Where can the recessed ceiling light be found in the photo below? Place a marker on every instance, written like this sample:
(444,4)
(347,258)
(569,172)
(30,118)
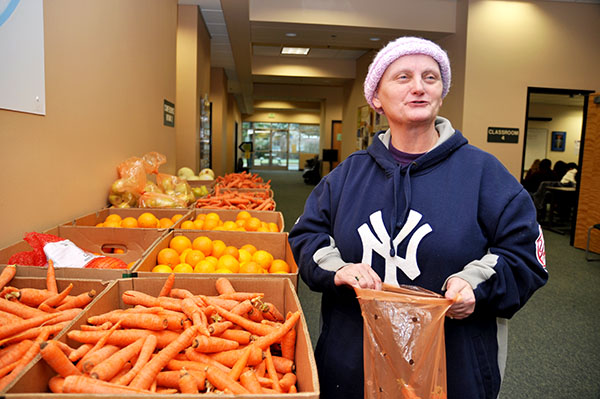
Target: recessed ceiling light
(295,50)
(374,39)
(290,34)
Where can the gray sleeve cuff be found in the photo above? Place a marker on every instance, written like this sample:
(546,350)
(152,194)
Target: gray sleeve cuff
(329,257)
(476,271)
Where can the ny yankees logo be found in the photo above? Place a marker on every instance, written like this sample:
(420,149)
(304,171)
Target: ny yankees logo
(380,243)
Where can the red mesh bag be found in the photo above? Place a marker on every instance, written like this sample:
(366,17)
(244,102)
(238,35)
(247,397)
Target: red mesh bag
(36,257)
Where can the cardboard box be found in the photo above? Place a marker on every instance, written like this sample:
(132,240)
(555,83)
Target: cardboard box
(34,382)
(230,214)
(79,286)
(92,219)
(134,242)
(276,243)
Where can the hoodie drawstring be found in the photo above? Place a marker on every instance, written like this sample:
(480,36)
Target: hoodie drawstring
(407,200)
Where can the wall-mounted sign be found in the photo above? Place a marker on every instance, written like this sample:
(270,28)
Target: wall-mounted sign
(558,141)
(168,113)
(503,135)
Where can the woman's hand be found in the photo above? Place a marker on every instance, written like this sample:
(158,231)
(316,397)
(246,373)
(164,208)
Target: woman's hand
(465,305)
(358,275)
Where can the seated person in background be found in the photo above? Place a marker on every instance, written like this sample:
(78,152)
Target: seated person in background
(569,178)
(560,168)
(545,173)
(535,166)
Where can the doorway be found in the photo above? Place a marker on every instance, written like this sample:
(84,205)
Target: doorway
(554,130)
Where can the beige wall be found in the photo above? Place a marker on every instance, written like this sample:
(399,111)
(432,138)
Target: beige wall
(193,82)
(565,119)
(218,97)
(109,65)
(515,44)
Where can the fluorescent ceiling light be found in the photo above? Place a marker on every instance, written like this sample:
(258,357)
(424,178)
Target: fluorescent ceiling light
(295,50)
(290,34)
(374,39)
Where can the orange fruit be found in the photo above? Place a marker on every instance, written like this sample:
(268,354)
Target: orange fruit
(112,223)
(212,216)
(250,267)
(183,268)
(199,224)
(203,244)
(168,256)
(210,224)
(204,266)
(263,258)
(252,224)
(100,224)
(223,270)
(176,217)
(119,251)
(240,223)
(229,225)
(113,217)
(165,223)
(273,227)
(179,243)
(147,220)
(212,260)
(162,269)
(279,265)
(228,262)
(201,216)
(244,256)
(231,250)
(218,248)
(188,225)
(129,222)
(263,229)
(243,215)
(250,248)
(131,264)
(193,257)
(184,254)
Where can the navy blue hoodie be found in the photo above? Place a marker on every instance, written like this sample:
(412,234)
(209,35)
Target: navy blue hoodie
(454,211)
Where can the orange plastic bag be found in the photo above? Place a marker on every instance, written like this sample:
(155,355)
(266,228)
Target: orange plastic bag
(404,342)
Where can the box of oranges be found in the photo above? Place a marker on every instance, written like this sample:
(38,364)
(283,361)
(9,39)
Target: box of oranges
(217,252)
(233,220)
(132,218)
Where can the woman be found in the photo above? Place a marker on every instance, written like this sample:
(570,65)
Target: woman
(422,207)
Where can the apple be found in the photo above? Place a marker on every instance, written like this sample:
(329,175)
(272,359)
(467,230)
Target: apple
(207,171)
(185,172)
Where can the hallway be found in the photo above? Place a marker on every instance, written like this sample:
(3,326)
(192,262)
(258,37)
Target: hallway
(554,344)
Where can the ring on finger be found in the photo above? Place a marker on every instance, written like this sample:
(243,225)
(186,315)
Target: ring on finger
(357,278)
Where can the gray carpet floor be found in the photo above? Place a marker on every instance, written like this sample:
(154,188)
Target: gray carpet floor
(554,340)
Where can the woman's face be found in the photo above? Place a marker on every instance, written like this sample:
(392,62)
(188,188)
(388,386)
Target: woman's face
(410,90)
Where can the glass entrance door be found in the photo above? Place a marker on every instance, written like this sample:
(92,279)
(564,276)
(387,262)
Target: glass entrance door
(270,146)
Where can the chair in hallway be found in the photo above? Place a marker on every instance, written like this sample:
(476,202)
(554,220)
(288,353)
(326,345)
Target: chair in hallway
(587,246)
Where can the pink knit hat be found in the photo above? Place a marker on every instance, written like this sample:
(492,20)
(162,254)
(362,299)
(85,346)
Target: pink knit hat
(398,48)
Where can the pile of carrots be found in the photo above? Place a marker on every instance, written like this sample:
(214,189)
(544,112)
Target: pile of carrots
(180,342)
(29,317)
(259,200)
(242,180)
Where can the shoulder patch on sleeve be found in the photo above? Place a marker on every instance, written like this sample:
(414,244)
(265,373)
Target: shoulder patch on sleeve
(540,249)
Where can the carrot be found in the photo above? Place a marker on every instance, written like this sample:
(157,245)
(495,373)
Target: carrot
(124,370)
(57,359)
(293,389)
(109,367)
(242,308)
(271,370)
(55,384)
(132,297)
(210,344)
(123,337)
(250,382)
(148,373)
(270,312)
(87,385)
(20,326)
(79,352)
(65,348)
(242,336)
(255,315)
(187,383)
(14,352)
(228,358)
(148,321)
(192,311)
(8,318)
(218,328)
(223,381)
(276,335)
(242,296)
(105,336)
(253,327)
(30,296)
(170,378)
(194,356)
(7,275)
(240,364)
(145,354)
(261,369)
(175,364)
(56,299)
(224,303)
(180,293)
(19,309)
(24,360)
(288,343)
(78,301)
(223,286)
(287,381)
(283,365)
(95,356)
(166,289)
(51,278)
